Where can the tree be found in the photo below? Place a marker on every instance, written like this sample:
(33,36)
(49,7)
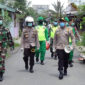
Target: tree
(81,16)
(10,3)
(58,9)
(20,4)
(74,6)
(7,2)
(31,12)
(81,10)
(2,1)
(7,19)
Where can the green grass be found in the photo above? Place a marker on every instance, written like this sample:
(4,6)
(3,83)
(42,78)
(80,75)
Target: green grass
(7,55)
(82,43)
(79,43)
(16,45)
(83,52)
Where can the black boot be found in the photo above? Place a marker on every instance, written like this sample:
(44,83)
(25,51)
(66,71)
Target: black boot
(65,72)
(26,63)
(31,69)
(61,75)
(37,59)
(70,64)
(1,76)
(52,55)
(55,56)
(42,63)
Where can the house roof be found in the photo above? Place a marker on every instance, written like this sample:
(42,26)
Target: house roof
(71,9)
(7,8)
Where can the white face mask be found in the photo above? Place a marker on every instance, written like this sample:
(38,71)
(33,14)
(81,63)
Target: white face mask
(30,24)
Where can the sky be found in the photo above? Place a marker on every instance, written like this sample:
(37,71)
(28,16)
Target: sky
(48,2)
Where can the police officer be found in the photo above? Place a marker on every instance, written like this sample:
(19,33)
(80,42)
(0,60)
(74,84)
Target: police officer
(43,36)
(74,31)
(29,42)
(5,41)
(52,33)
(60,41)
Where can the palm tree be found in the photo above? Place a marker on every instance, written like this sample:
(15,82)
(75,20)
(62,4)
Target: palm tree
(58,9)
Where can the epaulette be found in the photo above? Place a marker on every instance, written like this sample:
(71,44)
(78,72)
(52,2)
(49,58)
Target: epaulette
(24,29)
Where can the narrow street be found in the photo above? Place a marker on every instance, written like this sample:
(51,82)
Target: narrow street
(43,75)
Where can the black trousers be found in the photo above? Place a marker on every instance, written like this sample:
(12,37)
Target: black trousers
(51,48)
(29,55)
(51,45)
(63,60)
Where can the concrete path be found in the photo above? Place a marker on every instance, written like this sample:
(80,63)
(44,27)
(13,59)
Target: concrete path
(43,75)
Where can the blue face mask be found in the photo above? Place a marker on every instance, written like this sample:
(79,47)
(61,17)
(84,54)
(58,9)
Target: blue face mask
(72,24)
(1,22)
(62,24)
(67,24)
(55,23)
(30,24)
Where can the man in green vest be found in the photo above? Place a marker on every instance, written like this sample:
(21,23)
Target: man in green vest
(72,29)
(43,37)
(52,33)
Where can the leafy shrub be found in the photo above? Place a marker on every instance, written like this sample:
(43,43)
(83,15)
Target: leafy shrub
(7,19)
(83,39)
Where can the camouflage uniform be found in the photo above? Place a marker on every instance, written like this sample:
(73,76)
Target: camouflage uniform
(5,41)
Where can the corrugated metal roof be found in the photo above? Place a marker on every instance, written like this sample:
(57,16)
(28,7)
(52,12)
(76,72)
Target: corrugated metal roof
(7,8)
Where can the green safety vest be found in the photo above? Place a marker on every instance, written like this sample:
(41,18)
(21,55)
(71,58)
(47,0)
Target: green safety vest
(53,30)
(70,40)
(41,33)
(73,30)
(80,26)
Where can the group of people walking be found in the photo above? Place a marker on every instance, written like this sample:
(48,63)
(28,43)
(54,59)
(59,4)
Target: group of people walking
(61,33)
(33,43)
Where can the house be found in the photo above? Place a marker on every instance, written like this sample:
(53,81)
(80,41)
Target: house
(71,9)
(14,24)
(40,8)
